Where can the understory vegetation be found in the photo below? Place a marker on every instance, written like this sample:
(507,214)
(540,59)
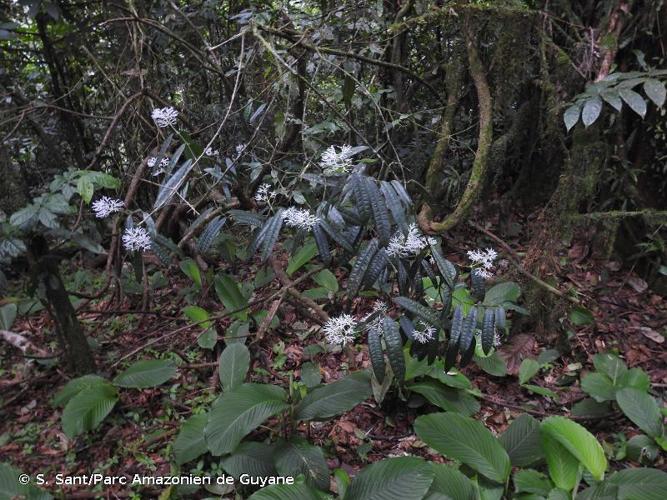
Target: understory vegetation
(313,250)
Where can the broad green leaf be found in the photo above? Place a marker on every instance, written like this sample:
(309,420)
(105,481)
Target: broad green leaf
(655,90)
(447,398)
(528,369)
(229,293)
(403,478)
(240,411)
(531,481)
(579,442)
(499,294)
(190,443)
(298,456)
(7,316)
(591,111)
(590,408)
(302,257)
(642,449)
(11,488)
(642,409)
(198,316)
(466,440)
(191,270)
(635,377)
(234,364)
(580,316)
(85,411)
(85,188)
(542,391)
(75,386)
(326,279)
(251,458)
(450,484)
(147,373)
(563,466)
(310,374)
(611,365)
(629,484)
(300,491)
(634,100)
(522,442)
(571,116)
(599,386)
(493,364)
(335,398)
(207,339)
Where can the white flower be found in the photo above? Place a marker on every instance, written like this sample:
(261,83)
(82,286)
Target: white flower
(164,117)
(151,161)
(483,261)
(136,239)
(211,152)
(106,206)
(423,333)
(240,148)
(300,218)
(340,330)
(263,194)
(404,245)
(496,338)
(334,162)
(379,309)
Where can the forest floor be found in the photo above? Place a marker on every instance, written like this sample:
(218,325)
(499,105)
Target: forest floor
(629,318)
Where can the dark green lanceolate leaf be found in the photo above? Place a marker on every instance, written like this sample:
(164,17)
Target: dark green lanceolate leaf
(394,344)
(240,411)
(634,100)
(85,411)
(467,339)
(466,440)
(394,202)
(172,185)
(286,492)
(521,440)
(403,478)
(642,409)
(336,236)
(210,233)
(376,267)
(247,218)
(655,90)
(191,270)
(450,484)
(229,293)
(333,399)
(447,398)
(376,354)
(271,236)
(579,442)
(454,338)
(501,321)
(424,313)
(477,285)
(251,458)
(361,195)
(591,111)
(447,269)
(190,443)
(147,373)
(298,456)
(233,365)
(322,243)
(488,330)
(360,267)
(571,116)
(379,210)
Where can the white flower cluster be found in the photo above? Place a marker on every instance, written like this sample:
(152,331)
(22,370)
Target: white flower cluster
(211,152)
(264,194)
(376,324)
(404,245)
(164,117)
(340,330)
(152,163)
(300,218)
(423,333)
(483,261)
(106,206)
(136,239)
(336,162)
(240,148)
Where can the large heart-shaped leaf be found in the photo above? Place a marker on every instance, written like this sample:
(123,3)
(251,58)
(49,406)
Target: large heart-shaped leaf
(579,442)
(75,386)
(335,398)
(466,440)
(85,411)
(239,412)
(642,409)
(234,363)
(190,443)
(404,478)
(147,373)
